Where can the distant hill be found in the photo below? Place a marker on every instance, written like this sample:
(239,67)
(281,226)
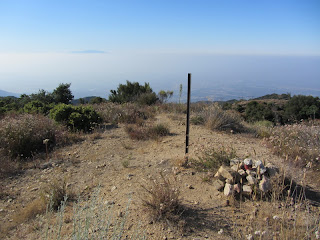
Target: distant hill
(274,96)
(8,94)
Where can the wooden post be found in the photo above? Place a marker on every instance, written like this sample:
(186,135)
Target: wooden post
(188,116)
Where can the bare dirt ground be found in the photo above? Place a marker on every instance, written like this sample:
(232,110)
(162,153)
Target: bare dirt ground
(121,165)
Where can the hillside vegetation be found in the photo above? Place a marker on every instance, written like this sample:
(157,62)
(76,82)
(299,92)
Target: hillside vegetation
(116,169)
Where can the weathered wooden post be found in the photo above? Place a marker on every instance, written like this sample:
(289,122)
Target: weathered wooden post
(188,118)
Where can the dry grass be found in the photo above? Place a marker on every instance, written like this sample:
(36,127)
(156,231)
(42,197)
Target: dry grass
(163,200)
(129,113)
(22,135)
(215,118)
(287,214)
(298,143)
(144,132)
(8,167)
(210,159)
(55,192)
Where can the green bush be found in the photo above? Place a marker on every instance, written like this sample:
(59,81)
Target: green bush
(133,92)
(258,112)
(76,117)
(8,104)
(302,107)
(22,135)
(97,100)
(37,107)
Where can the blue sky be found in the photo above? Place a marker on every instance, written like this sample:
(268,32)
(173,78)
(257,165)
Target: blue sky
(96,45)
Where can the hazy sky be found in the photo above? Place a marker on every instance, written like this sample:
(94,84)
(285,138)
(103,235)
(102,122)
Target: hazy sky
(95,45)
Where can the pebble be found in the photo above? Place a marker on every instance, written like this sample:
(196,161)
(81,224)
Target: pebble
(113,188)
(109,202)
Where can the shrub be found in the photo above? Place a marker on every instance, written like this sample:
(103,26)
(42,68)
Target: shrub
(76,117)
(147,98)
(302,107)
(55,192)
(218,119)
(141,132)
(211,159)
(132,92)
(37,107)
(197,120)
(8,104)
(163,200)
(22,135)
(62,94)
(258,112)
(160,130)
(124,113)
(262,129)
(97,100)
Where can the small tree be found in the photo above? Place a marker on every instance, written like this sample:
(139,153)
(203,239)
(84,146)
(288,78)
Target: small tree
(133,92)
(302,107)
(62,94)
(164,95)
(41,96)
(180,93)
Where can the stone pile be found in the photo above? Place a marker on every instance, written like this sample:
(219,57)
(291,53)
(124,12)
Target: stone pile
(243,176)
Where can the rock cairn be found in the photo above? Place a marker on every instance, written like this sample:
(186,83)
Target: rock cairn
(244,176)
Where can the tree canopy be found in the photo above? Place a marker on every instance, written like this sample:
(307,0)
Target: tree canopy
(133,92)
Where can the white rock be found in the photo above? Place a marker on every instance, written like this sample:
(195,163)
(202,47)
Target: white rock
(251,180)
(246,189)
(218,184)
(228,189)
(242,172)
(226,172)
(248,161)
(237,188)
(113,188)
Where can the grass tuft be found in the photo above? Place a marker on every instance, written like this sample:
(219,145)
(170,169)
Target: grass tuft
(143,132)
(211,159)
(163,200)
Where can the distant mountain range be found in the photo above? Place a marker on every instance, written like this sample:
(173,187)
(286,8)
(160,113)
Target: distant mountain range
(7,94)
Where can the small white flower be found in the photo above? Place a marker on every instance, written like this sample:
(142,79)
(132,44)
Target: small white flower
(220,231)
(275,217)
(249,237)
(257,233)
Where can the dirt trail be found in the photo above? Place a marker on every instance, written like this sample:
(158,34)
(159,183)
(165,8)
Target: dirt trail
(102,161)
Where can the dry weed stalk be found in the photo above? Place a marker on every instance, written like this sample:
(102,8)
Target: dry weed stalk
(163,200)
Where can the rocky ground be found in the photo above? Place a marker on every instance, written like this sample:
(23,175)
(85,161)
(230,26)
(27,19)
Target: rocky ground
(121,166)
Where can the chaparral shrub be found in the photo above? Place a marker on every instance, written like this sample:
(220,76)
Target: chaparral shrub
(22,135)
(76,117)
